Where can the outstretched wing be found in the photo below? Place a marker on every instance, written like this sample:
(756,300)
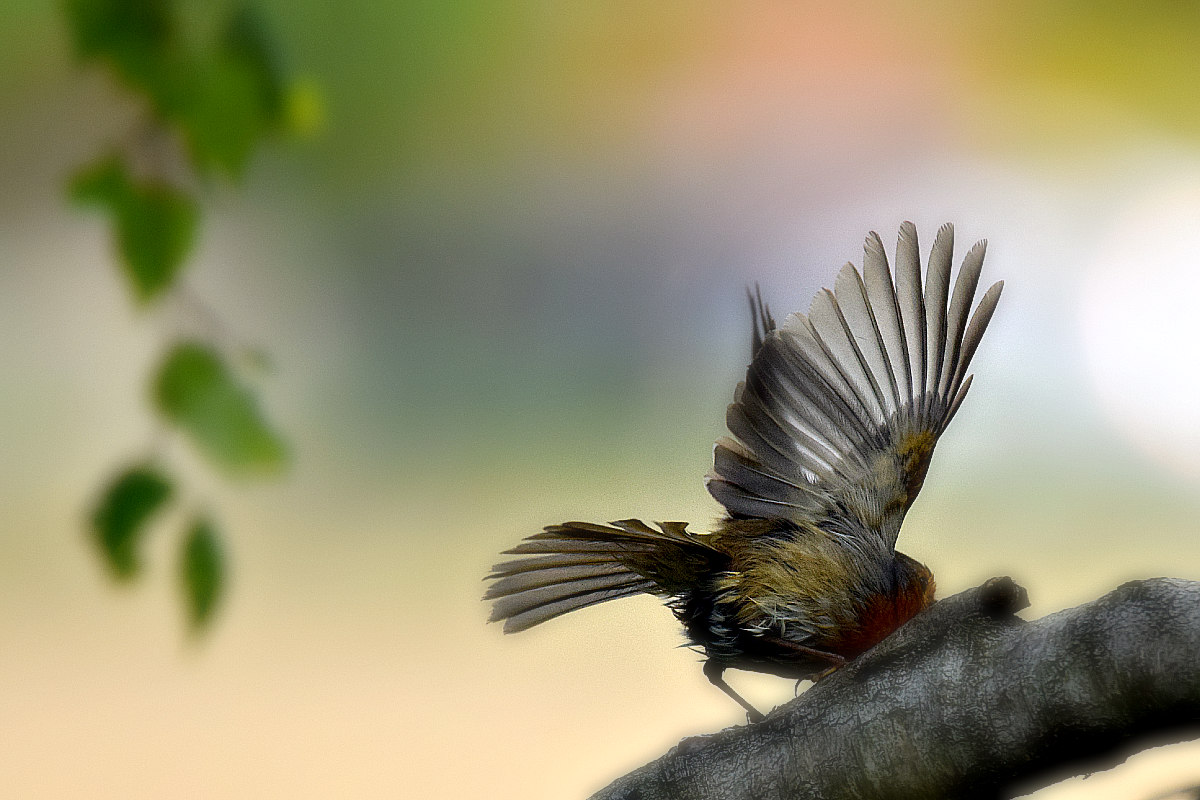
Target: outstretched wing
(841,408)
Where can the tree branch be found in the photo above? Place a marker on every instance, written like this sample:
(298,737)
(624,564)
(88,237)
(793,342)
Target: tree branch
(963,701)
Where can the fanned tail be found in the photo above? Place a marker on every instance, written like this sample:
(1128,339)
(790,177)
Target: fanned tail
(578,564)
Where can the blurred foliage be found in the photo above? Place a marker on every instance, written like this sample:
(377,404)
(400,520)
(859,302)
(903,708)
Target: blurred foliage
(155,224)
(119,522)
(209,99)
(135,37)
(196,391)
(201,572)
(425,90)
(223,98)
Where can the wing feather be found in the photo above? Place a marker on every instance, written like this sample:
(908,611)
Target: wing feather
(762,439)
(960,307)
(937,290)
(975,329)
(881,292)
(810,439)
(841,408)
(859,319)
(859,328)
(956,402)
(825,391)
(912,304)
(754,477)
(831,332)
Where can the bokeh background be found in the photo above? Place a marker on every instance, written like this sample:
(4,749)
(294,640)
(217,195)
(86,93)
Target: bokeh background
(503,287)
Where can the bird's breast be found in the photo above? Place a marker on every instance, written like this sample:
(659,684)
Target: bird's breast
(877,618)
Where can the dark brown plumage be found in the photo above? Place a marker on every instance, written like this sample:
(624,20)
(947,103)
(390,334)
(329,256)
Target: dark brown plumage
(833,431)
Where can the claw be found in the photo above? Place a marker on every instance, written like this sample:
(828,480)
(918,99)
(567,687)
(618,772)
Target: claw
(715,672)
(827,672)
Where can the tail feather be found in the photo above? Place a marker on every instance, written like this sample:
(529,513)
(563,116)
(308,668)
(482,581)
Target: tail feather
(565,575)
(548,562)
(578,564)
(523,620)
(509,605)
(534,545)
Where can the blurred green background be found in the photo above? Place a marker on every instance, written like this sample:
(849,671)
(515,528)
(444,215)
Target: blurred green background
(502,287)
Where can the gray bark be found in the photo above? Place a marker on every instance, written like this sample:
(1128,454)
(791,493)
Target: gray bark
(966,700)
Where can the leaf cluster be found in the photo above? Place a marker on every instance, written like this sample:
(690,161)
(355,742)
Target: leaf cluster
(122,519)
(222,97)
(217,97)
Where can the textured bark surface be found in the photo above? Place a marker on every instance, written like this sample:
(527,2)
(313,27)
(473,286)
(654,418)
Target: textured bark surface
(966,700)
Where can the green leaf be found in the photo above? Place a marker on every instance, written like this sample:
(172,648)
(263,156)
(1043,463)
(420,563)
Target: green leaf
(202,572)
(119,522)
(155,223)
(222,116)
(234,97)
(137,38)
(108,27)
(104,183)
(196,390)
(248,41)
(155,231)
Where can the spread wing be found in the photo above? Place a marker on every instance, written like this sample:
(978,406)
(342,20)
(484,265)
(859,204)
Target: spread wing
(841,408)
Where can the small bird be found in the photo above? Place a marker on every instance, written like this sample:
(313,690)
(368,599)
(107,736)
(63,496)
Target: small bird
(832,434)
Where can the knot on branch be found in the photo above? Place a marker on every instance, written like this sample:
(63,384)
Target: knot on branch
(1002,596)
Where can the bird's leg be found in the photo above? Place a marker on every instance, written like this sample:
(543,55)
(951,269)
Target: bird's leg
(825,673)
(835,661)
(715,671)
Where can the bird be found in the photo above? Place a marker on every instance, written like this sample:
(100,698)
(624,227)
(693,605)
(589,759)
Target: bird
(831,436)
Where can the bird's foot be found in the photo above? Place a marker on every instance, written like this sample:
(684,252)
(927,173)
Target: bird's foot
(825,673)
